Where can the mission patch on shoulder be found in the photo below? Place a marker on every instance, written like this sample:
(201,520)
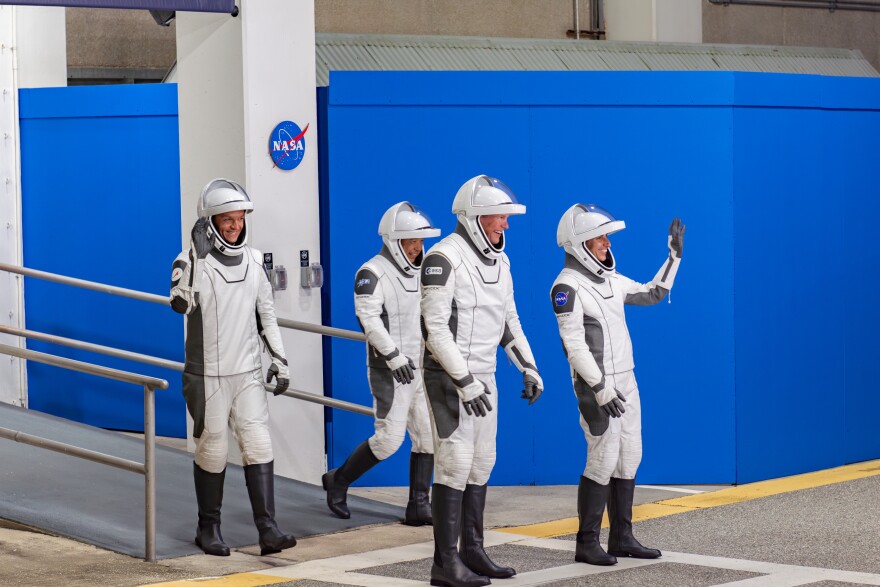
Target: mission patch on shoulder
(435,270)
(365,282)
(562,297)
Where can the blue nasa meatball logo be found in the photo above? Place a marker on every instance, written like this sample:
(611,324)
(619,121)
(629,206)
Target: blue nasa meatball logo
(287,145)
(561,298)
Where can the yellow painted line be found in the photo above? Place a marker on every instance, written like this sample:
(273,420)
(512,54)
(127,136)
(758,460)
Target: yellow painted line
(711,499)
(236,580)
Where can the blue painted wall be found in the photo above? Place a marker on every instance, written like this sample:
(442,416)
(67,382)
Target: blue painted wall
(762,168)
(100,191)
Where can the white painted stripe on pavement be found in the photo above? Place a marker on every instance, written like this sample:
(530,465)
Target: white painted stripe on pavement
(670,488)
(342,569)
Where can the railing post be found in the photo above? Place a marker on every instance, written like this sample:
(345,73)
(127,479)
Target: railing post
(150,472)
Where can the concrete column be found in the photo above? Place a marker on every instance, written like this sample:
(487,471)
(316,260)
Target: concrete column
(237,79)
(666,21)
(33,53)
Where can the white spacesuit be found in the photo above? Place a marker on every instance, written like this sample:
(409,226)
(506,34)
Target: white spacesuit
(386,301)
(225,294)
(467,311)
(588,298)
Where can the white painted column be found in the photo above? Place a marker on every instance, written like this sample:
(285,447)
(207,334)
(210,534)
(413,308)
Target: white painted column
(238,78)
(33,53)
(665,21)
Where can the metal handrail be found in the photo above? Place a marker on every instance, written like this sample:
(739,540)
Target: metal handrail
(147,468)
(174,365)
(163,300)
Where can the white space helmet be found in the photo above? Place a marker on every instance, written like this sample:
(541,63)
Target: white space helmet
(405,220)
(579,224)
(218,197)
(484,196)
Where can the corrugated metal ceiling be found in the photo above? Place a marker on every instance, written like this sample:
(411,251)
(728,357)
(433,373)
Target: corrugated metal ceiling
(342,52)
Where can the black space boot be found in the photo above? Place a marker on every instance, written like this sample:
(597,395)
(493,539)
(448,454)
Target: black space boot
(418,509)
(209,495)
(336,482)
(591,506)
(621,541)
(260,481)
(472,553)
(448,569)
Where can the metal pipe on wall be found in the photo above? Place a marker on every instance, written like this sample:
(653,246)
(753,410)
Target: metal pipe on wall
(830,5)
(577,20)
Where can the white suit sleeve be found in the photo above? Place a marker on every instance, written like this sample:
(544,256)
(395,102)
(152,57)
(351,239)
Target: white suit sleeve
(267,323)
(647,294)
(570,319)
(368,302)
(438,288)
(184,295)
(514,341)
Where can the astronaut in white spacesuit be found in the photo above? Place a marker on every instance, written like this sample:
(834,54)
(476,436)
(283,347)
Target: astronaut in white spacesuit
(220,285)
(467,311)
(386,301)
(588,298)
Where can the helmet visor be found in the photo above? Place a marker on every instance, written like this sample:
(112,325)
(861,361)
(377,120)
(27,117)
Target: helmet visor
(595,221)
(493,196)
(222,195)
(413,222)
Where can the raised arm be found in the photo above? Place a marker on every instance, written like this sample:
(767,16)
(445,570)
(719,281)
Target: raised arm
(647,294)
(186,272)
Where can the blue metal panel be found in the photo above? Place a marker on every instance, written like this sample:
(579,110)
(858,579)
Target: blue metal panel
(100,201)
(650,165)
(763,365)
(851,178)
(805,213)
(545,88)
(382,156)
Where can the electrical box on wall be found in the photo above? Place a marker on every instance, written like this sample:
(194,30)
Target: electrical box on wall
(310,274)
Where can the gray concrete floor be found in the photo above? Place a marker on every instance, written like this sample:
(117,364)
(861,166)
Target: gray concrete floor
(821,536)
(31,557)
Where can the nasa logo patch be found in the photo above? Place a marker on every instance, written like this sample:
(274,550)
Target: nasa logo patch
(433,270)
(287,145)
(175,275)
(561,298)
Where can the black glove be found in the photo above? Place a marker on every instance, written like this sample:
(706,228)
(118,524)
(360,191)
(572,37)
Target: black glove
(480,405)
(614,408)
(201,242)
(676,237)
(402,369)
(532,388)
(281,383)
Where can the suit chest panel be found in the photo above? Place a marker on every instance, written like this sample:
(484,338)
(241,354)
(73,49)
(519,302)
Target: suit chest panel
(232,288)
(481,295)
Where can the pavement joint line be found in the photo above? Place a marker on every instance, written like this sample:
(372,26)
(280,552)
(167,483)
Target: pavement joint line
(673,489)
(251,579)
(343,569)
(727,496)
(365,580)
